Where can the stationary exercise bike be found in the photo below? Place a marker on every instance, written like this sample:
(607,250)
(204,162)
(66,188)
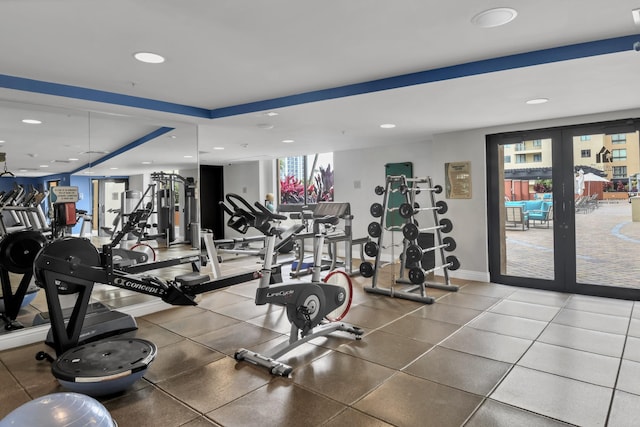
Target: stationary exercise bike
(313,308)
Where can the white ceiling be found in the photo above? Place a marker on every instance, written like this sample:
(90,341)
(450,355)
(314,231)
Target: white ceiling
(239,59)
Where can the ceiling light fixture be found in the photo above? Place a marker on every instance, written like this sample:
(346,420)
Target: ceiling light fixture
(387,126)
(147,162)
(188,157)
(32,121)
(636,16)
(149,57)
(537,101)
(218,148)
(288,141)
(113,169)
(73,159)
(494,17)
(44,166)
(271,114)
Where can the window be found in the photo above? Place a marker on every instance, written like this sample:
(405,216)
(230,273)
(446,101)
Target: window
(619,138)
(619,155)
(520,146)
(507,159)
(585,153)
(537,158)
(619,171)
(537,143)
(306,179)
(521,158)
(585,138)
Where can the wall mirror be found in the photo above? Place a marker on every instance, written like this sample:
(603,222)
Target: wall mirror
(115,161)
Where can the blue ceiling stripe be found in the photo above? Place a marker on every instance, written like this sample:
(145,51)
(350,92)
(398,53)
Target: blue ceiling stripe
(545,56)
(37,86)
(148,137)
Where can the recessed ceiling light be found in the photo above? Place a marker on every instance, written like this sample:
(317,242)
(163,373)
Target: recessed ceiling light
(73,159)
(494,17)
(2,141)
(218,148)
(271,114)
(636,16)
(147,162)
(113,169)
(387,126)
(288,141)
(22,170)
(88,172)
(537,101)
(149,57)
(188,157)
(44,166)
(32,121)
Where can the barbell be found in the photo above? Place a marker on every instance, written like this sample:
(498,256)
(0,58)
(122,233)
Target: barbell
(406,210)
(417,274)
(414,253)
(404,189)
(411,231)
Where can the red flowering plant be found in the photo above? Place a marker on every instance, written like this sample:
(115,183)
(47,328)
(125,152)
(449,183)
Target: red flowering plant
(291,190)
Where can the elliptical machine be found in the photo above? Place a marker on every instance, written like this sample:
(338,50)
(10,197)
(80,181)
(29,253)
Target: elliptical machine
(314,308)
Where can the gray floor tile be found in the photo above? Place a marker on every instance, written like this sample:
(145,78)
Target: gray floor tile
(278,404)
(593,321)
(632,349)
(628,377)
(625,410)
(496,414)
(584,339)
(341,377)
(446,313)
(353,418)
(459,370)
(382,348)
(487,289)
(553,299)
(476,302)
(547,394)
(600,305)
(487,344)
(579,365)
(508,325)
(634,328)
(428,330)
(526,310)
(435,403)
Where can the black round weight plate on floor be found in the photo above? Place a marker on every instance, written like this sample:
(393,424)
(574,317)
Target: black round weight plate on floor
(450,242)
(442,207)
(371,249)
(405,210)
(416,275)
(104,367)
(18,250)
(366,269)
(379,190)
(446,225)
(376,210)
(374,229)
(453,260)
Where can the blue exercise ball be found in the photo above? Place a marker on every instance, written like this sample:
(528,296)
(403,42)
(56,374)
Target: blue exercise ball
(58,410)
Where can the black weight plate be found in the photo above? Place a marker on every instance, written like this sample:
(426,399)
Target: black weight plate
(366,269)
(437,189)
(379,190)
(374,229)
(414,253)
(376,210)
(446,225)
(405,210)
(450,242)
(442,207)
(453,260)
(371,249)
(410,231)
(416,276)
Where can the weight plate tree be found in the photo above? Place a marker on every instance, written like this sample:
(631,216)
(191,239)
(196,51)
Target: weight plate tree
(417,257)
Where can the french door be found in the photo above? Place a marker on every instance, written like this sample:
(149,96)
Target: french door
(562,212)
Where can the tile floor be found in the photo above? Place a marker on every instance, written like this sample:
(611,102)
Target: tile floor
(487,355)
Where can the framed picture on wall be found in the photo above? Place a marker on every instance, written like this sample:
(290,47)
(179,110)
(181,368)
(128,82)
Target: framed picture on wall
(458,180)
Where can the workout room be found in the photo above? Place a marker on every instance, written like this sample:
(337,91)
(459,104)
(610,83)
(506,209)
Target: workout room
(232,216)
